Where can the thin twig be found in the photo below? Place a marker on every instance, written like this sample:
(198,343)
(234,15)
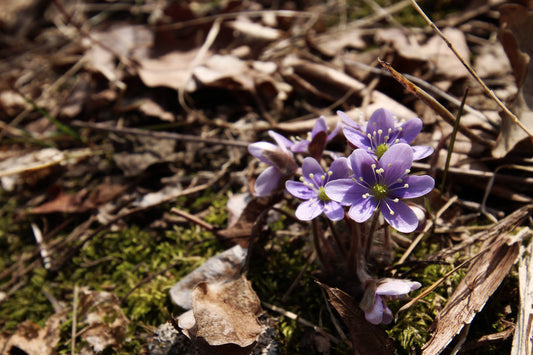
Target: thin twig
(160,135)
(471,70)
(74,320)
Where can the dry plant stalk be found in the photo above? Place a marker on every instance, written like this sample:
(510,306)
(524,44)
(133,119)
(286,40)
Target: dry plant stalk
(488,91)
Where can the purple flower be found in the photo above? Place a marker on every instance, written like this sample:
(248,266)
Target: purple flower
(311,189)
(280,159)
(381,183)
(386,289)
(316,141)
(382,131)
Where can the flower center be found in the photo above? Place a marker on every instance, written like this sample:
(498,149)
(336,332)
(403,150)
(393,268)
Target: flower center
(322,194)
(381,149)
(380,191)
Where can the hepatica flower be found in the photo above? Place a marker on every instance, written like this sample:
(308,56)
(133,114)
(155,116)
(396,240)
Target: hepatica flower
(280,159)
(311,189)
(383,131)
(388,289)
(381,183)
(316,141)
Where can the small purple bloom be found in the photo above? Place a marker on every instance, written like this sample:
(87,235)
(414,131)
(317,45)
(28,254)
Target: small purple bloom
(382,131)
(381,183)
(386,289)
(311,189)
(317,139)
(280,159)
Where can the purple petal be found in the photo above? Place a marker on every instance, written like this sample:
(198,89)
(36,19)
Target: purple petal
(344,191)
(300,190)
(356,137)
(399,216)
(339,169)
(320,126)
(396,161)
(267,181)
(381,119)
(387,315)
(347,121)
(419,185)
(421,151)
(360,161)
(300,147)
(311,166)
(257,149)
(334,133)
(375,315)
(333,210)
(308,210)
(362,209)
(282,142)
(410,129)
(396,287)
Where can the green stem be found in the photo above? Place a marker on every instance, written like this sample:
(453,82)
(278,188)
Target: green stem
(370,236)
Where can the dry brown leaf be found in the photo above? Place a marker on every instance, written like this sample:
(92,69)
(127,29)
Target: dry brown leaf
(221,267)
(255,31)
(367,339)
(172,70)
(105,322)
(36,165)
(32,340)
(435,51)
(146,151)
(124,40)
(82,201)
(225,316)
(516,26)
(332,84)
(336,40)
(486,272)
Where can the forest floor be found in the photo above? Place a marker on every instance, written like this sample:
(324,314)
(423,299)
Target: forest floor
(124,128)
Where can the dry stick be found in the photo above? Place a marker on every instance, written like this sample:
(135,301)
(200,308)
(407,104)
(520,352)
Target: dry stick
(429,225)
(211,36)
(434,104)
(423,84)
(471,71)
(483,207)
(74,320)
(160,135)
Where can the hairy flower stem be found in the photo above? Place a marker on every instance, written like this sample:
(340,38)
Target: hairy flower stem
(337,238)
(355,245)
(317,236)
(370,235)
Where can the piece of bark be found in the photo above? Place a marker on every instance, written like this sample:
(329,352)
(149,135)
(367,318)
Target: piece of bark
(523,334)
(486,272)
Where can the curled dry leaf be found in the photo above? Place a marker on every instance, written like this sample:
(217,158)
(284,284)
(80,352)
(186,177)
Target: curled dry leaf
(367,339)
(516,26)
(225,316)
(31,340)
(219,268)
(105,322)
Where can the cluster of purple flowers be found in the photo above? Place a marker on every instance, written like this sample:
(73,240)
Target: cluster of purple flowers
(374,178)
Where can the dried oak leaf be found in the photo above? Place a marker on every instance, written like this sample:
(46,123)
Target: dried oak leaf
(32,340)
(516,26)
(366,338)
(225,315)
